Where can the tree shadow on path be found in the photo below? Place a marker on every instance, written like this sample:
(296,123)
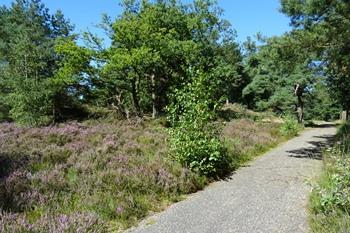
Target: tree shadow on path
(314,151)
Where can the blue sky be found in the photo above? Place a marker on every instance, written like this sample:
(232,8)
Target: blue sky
(246,16)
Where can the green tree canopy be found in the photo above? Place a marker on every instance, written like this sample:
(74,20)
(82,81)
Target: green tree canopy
(28,59)
(323,26)
(154,43)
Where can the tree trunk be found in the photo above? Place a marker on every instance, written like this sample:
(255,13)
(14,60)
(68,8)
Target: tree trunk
(300,110)
(55,110)
(298,91)
(154,99)
(120,107)
(135,97)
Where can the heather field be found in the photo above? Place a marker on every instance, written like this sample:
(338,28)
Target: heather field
(246,139)
(102,176)
(108,119)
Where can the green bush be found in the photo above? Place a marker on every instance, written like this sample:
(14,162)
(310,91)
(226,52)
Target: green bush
(199,150)
(330,199)
(290,126)
(4,112)
(30,104)
(336,194)
(194,142)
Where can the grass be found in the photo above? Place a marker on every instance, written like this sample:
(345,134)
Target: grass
(103,176)
(330,199)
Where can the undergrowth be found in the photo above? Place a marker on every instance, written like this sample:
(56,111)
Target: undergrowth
(330,199)
(92,176)
(103,176)
(290,126)
(245,139)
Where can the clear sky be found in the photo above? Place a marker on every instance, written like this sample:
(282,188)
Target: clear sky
(246,16)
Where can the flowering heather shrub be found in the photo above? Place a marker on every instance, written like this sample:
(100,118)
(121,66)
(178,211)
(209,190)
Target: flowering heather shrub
(251,133)
(246,138)
(98,176)
(77,222)
(69,177)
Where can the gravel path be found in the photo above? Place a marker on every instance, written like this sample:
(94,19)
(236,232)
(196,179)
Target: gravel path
(269,195)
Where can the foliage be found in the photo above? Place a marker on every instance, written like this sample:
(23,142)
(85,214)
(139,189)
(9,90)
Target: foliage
(280,63)
(330,200)
(320,104)
(154,43)
(30,105)
(323,29)
(194,141)
(199,150)
(343,135)
(275,68)
(71,83)
(290,126)
(28,59)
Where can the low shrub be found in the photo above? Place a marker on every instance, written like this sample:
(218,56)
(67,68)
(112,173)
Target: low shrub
(79,222)
(116,173)
(200,150)
(245,139)
(237,111)
(290,126)
(193,140)
(330,199)
(343,137)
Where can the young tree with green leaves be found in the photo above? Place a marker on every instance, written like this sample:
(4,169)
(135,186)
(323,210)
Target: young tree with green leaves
(194,140)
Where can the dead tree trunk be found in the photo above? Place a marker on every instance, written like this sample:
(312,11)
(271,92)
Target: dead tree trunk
(300,110)
(120,106)
(298,91)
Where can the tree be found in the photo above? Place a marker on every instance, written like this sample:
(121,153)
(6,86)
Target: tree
(194,141)
(150,45)
(320,103)
(28,59)
(281,75)
(71,82)
(153,45)
(324,29)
